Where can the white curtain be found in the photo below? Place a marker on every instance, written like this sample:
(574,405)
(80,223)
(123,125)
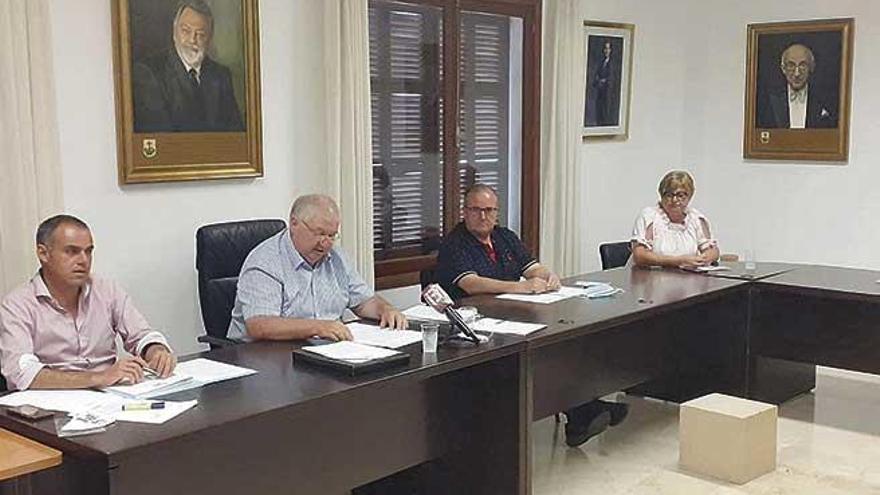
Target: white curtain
(30,169)
(349,158)
(562,105)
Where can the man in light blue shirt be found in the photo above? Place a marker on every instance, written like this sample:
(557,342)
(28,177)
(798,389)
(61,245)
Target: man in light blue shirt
(296,284)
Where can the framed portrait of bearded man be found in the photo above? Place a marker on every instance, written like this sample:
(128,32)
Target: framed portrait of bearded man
(187,89)
(798,79)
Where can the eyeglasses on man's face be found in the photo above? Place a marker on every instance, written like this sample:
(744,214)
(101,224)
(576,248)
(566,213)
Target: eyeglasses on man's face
(321,235)
(489,211)
(791,67)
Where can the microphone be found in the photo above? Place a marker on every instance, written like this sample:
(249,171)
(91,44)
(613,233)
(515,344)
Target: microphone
(437,298)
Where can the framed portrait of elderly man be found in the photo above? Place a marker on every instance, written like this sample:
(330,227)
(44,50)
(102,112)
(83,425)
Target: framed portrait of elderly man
(187,89)
(798,78)
(608,73)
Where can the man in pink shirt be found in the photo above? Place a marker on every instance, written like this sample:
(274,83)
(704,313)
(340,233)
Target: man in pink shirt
(59,330)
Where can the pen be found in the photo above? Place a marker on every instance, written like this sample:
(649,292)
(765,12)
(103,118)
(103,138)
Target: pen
(143,406)
(150,372)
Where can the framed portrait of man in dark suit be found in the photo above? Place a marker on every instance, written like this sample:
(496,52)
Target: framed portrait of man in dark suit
(187,89)
(608,73)
(798,90)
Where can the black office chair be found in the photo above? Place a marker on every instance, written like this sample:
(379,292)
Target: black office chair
(221,249)
(614,254)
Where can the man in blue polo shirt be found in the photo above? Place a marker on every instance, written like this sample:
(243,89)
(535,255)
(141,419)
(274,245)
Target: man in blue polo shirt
(480,257)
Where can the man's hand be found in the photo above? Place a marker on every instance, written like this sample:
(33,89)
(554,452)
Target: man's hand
(392,319)
(333,330)
(126,371)
(534,285)
(553,282)
(160,359)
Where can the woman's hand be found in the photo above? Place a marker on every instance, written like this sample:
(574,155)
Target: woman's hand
(693,260)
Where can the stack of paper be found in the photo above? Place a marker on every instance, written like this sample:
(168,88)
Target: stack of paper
(545,298)
(150,386)
(350,351)
(194,374)
(375,336)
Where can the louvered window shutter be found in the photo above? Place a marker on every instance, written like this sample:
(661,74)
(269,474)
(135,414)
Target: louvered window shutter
(484,108)
(407,140)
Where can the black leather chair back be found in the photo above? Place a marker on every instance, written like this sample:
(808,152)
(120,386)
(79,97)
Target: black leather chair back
(221,249)
(614,254)
(427,277)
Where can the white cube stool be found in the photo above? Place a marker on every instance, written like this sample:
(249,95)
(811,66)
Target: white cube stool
(727,437)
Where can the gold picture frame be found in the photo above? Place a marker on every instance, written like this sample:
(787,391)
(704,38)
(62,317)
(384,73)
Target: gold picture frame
(608,48)
(187,87)
(798,80)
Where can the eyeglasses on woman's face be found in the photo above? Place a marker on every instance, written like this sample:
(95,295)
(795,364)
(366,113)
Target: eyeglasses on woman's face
(680,195)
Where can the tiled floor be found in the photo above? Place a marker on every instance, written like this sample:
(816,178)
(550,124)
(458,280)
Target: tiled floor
(828,444)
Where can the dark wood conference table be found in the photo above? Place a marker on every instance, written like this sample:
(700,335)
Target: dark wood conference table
(814,315)
(676,335)
(294,428)
(466,413)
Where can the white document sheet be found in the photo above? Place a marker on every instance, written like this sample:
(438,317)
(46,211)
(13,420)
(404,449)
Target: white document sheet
(424,312)
(504,326)
(62,400)
(205,371)
(707,268)
(156,416)
(545,298)
(382,337)
(351,351)
(91,410)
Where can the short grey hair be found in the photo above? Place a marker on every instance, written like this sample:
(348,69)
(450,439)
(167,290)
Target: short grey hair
(309,206)
(198,6)
(51,224)
(479,188)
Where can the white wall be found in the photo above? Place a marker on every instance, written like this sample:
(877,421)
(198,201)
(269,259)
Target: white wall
(787,211)
(145,234)
(687,111)
(621,176)
(687,104)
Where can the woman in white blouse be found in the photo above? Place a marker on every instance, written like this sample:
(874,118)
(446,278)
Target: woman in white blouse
(671,233)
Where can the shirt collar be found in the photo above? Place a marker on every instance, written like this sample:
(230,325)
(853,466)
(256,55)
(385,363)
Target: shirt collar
(492,235)
(39,285)
(41,290)
(687,211)
(799,96)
